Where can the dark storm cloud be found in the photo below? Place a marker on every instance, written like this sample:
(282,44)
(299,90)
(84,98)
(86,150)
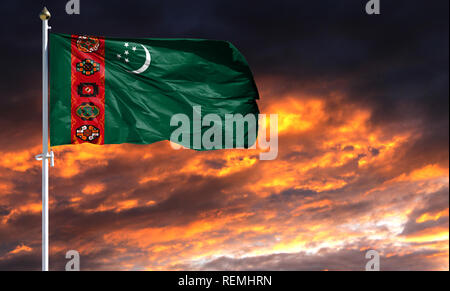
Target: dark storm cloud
(182,199)
(400,56)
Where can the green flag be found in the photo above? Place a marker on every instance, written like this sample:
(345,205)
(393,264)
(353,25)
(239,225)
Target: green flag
(113,91)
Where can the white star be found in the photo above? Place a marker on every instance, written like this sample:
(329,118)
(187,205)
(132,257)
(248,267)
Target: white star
(126,44)
(126,52)
(134,48)
(119,56)
(126,60)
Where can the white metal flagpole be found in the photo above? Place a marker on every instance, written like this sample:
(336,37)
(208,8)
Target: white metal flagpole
(45,156)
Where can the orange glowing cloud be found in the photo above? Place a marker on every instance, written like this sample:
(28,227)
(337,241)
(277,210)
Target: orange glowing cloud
(429,235)
(20,249)
(93,189)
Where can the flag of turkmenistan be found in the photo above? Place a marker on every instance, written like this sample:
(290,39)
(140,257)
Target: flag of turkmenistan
(112,91)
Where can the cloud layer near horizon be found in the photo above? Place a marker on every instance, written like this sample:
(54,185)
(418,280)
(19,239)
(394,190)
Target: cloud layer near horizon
(363,154)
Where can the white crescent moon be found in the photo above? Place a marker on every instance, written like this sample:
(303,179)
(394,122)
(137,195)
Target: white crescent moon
(148,59)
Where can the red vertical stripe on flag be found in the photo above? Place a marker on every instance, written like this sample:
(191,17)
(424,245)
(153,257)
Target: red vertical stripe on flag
(88,90)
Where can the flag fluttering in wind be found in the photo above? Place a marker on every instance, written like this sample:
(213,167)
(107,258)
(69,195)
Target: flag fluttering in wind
(113,91)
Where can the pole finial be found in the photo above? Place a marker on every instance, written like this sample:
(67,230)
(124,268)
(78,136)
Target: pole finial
(45,14)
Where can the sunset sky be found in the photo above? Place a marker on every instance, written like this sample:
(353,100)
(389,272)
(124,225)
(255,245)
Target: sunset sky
(363,157)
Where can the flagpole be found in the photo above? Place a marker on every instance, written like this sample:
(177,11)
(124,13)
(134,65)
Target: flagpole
(45,156)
